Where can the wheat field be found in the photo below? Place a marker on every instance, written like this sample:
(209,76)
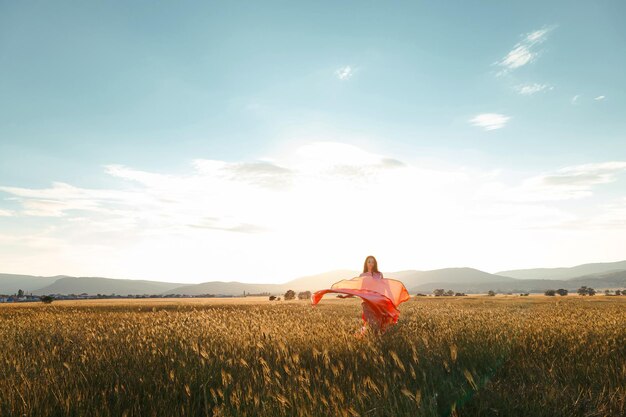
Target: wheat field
(466,356)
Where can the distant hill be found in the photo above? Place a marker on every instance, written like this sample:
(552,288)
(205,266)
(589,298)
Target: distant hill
(95,285)
(598,281)
(307,283)
(11,283)
(605,280)
(564,273)
(603,275)
(456,275)
(223,288)
(409,278)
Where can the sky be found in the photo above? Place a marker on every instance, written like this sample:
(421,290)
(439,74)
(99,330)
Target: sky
(261,142)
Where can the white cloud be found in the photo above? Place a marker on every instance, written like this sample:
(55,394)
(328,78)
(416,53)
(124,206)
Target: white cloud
(344,73)
(575,99)
(537,36)
(576,181)
(530,89)
(599,98)
(320,206)
(62,198)
(5,213)
(566,183)
(490,121)
(525,51)
(519,56)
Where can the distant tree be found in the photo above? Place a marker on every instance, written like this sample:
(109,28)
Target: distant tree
(460,294)
(439,292)
(524,294)
(584,290)
(290,295)
(562,292)
(272,297)
(618,292)
(419,294)
(607,292)
(304,295)
(449,293)
(550,293)
(491,293)
(278,299)
(20,293)
(47,299)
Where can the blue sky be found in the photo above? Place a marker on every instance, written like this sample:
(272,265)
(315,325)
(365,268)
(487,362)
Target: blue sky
(91,94)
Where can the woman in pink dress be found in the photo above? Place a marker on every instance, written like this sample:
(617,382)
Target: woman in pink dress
(381,296)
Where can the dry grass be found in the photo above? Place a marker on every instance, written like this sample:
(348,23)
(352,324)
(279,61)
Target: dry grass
(466,356)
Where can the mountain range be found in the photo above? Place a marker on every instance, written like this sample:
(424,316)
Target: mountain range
(606,280)
(564,273)
(468,280)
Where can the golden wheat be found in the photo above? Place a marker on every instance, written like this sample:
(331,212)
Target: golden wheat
(455,356)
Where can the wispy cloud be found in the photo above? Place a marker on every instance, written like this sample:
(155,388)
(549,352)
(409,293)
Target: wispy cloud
(535,196)
(5,213)
(530,89)
(219,195)
(490,121)
(581,178)
(566,183)
(525,51)
(344,73)
(325,198)
(577,98)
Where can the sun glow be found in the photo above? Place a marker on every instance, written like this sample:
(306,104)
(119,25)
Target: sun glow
(305,210)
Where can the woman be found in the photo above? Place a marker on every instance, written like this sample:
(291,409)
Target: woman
(369,316)
(380,296)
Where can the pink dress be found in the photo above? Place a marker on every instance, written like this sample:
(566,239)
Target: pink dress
(381,297)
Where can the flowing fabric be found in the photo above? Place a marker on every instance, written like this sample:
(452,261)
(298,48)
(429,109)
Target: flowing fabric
(381,297)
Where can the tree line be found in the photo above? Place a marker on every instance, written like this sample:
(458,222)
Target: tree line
(291,295)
